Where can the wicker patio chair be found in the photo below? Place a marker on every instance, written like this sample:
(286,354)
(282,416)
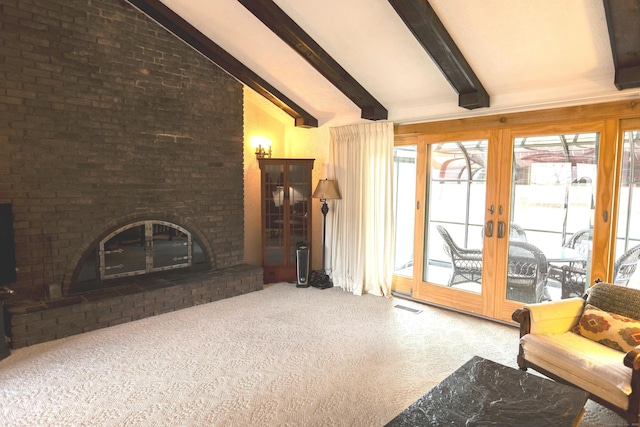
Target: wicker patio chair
(526,273)
(576,242)
(574,279)
(626,266)
(570,275)
(577,238)
(466,264)
(516,233)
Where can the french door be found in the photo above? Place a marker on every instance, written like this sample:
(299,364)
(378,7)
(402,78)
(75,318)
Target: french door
(507,216)
(552,200)
(627,244)
(445,263)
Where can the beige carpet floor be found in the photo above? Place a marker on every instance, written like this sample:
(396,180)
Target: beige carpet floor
(278,357)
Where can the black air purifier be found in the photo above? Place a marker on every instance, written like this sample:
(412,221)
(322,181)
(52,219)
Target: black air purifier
(302,264)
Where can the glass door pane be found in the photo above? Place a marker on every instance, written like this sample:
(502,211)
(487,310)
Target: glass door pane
(628,234)
(298,207)
(125,253)
(170,247)
(456,192)
(553,201)
(404,205)
(274,213)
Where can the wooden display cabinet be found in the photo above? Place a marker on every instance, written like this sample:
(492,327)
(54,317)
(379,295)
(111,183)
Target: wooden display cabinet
(286,215)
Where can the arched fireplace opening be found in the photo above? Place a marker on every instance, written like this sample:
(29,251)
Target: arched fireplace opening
(135,249)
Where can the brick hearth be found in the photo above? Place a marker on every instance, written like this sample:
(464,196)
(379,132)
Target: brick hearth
(35,321)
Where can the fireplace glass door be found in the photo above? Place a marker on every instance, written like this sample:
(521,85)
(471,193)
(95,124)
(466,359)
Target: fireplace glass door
(144,247)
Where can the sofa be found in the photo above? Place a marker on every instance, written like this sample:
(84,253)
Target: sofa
(592,343)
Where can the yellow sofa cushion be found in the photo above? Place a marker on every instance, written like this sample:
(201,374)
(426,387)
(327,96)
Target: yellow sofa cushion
(580,361)
(556,317)
(613,330)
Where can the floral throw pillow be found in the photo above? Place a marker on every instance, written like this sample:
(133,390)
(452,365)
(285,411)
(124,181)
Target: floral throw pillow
(615,331)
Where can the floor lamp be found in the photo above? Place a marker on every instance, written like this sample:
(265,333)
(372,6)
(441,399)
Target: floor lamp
(326,189)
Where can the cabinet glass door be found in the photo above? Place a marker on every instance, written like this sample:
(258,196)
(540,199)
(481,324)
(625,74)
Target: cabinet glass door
(274,211)
(298,208)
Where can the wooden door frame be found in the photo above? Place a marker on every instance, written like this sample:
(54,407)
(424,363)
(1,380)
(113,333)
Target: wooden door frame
(605,118)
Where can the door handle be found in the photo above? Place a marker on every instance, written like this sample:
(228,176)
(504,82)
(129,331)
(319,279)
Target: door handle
(488,229)
(500,229)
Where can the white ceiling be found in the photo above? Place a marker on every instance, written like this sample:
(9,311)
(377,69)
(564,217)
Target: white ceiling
(528,54)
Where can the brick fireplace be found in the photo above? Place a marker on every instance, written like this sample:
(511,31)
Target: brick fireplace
(108,119)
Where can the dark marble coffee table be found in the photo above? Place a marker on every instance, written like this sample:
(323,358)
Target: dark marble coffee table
(485,393)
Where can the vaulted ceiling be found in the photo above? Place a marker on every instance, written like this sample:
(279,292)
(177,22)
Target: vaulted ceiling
(415,60)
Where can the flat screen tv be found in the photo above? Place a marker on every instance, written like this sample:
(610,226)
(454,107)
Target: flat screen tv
(7,248)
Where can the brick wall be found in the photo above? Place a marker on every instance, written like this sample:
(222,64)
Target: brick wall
(106,118)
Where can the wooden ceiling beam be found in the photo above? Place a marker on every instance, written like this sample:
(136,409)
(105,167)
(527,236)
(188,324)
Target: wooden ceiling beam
(164,16)
(427,28)
(623,18)
(284,27)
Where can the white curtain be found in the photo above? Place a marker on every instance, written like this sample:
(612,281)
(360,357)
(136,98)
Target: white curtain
(362,221)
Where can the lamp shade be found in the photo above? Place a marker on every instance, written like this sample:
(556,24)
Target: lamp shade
(326,189)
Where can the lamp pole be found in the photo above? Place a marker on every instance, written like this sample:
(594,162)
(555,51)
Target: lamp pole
(324,210)
(325,190)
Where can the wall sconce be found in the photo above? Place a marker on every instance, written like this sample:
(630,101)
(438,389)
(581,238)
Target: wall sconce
(262,145)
